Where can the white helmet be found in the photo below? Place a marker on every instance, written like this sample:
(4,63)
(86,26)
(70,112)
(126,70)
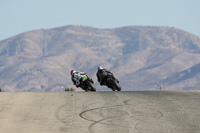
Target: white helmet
(72,72)
(100,67)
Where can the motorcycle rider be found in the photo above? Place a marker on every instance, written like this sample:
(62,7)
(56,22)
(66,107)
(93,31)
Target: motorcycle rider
(102,75)
(76,78)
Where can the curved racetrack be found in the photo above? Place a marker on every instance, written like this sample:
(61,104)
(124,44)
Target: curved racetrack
(100,112)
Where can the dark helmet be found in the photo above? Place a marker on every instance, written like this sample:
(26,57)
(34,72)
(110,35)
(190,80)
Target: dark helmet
(72,71)
(100,67)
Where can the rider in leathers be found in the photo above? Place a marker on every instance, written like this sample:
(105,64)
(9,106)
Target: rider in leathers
(76,78)
(102,75)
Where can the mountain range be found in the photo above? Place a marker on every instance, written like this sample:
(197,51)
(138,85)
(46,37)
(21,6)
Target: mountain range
(141,57)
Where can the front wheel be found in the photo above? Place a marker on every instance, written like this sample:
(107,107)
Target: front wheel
(91,86)
(116,85)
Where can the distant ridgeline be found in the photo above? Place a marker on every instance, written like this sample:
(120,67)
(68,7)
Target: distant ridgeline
(141,57)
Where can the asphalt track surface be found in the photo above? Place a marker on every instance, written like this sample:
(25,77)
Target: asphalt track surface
(100,112)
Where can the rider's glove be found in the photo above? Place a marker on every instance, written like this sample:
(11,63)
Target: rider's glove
(92,81)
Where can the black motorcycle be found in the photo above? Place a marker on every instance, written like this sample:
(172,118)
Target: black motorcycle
(112,82)
(87,84)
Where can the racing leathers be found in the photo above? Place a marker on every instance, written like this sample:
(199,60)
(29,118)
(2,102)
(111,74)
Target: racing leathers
(76,78)
(102,75)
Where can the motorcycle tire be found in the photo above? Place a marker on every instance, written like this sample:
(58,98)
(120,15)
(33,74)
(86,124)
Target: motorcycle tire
(116,85)
(91,85)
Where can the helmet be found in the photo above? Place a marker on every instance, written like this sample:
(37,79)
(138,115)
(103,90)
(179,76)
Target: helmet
(100,67)
(72,71)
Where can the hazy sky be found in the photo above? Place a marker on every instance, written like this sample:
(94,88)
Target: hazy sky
(18,16)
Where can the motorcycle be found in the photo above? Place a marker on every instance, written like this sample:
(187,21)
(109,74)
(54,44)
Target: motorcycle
(87,84)
(112,82)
